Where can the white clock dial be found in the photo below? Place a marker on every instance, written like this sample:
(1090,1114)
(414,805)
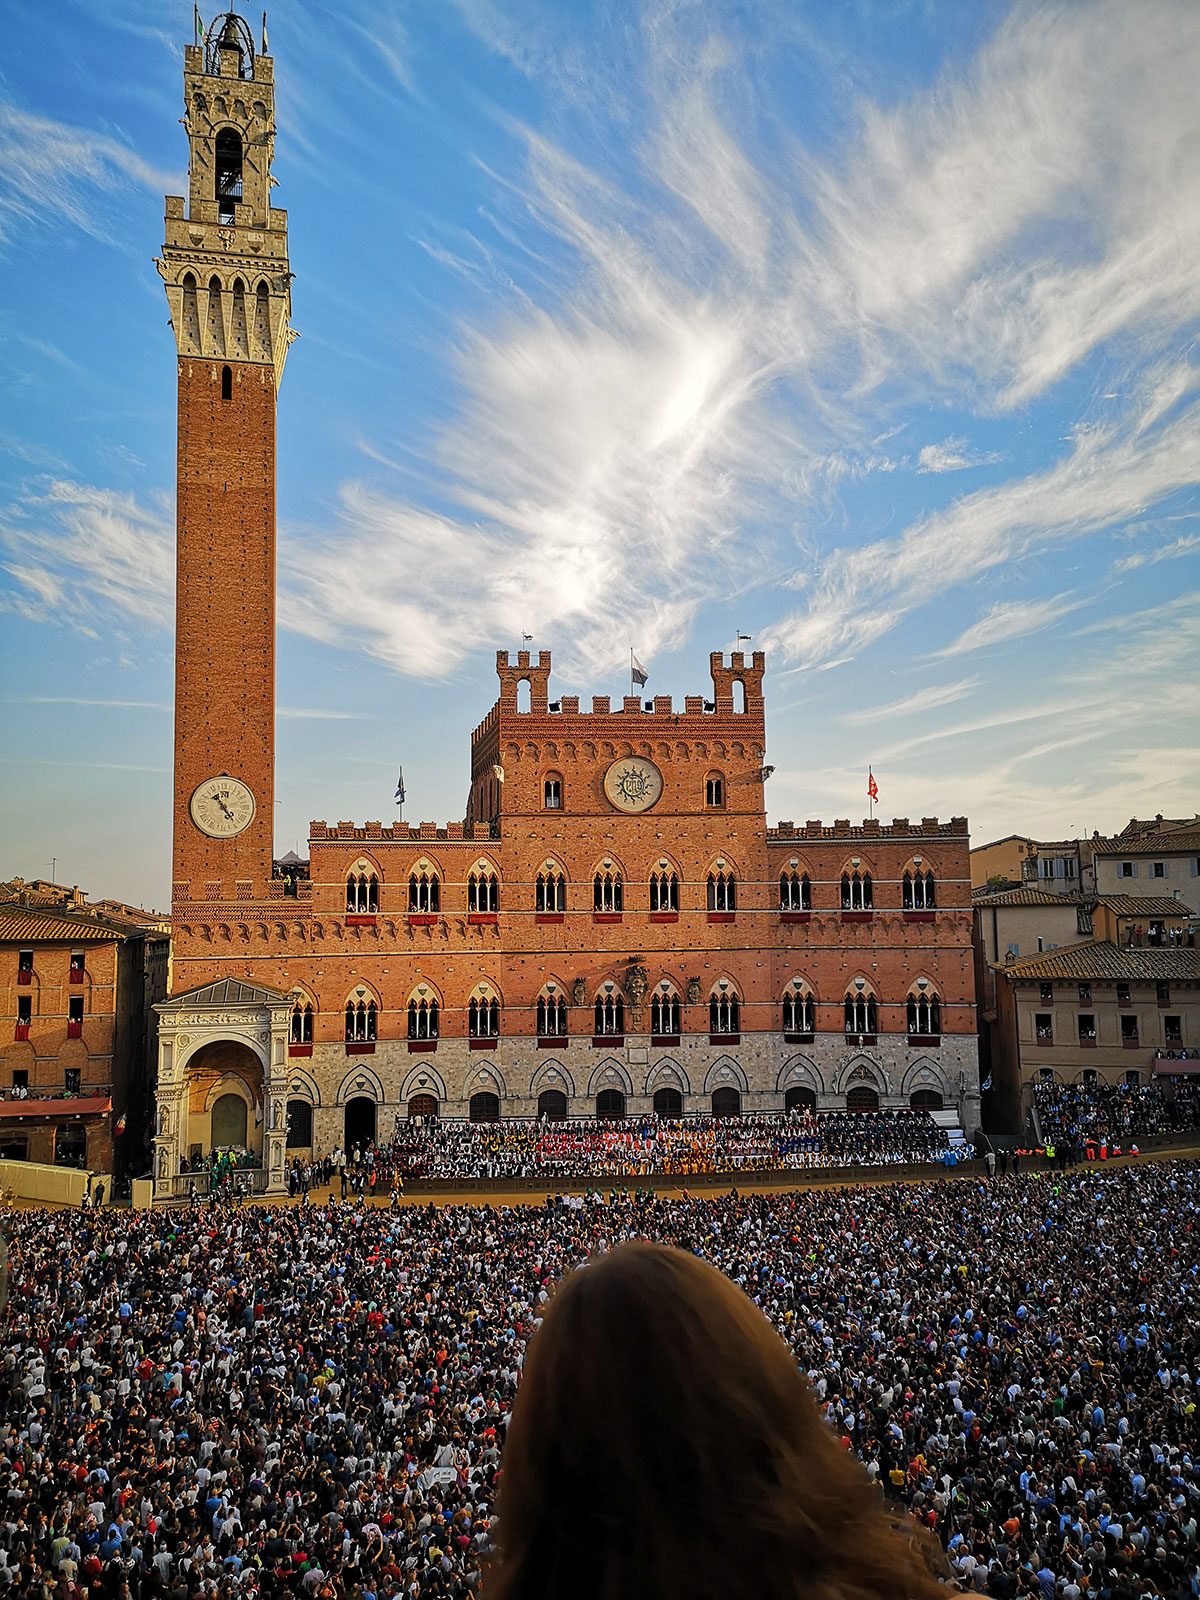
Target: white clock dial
(222,807)
(633,784)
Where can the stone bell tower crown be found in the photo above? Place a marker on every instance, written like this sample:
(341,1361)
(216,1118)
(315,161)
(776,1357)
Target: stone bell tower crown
(228,283)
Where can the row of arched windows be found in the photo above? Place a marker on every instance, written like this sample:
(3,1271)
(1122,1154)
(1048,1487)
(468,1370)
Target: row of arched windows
(554,792)
(857,892)
(797,1015)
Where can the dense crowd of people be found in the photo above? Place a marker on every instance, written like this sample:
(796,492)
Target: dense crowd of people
(1071,1113)
(655,1146)
(312,1402)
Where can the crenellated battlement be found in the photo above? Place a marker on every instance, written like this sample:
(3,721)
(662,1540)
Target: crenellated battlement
(400,832)
(870,828)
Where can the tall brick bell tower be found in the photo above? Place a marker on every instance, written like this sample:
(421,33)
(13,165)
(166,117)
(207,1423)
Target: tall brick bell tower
(225,266)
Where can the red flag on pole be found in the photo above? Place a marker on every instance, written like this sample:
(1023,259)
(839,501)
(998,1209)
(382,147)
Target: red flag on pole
(872,786)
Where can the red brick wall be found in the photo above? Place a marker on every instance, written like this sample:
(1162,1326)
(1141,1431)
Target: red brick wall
(225,625)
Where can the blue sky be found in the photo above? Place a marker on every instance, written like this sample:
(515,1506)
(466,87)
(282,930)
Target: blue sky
(866,329)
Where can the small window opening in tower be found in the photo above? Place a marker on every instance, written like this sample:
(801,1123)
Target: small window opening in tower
(226,383)
(229,173)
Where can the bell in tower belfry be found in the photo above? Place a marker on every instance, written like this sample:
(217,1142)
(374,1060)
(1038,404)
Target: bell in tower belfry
(228,282)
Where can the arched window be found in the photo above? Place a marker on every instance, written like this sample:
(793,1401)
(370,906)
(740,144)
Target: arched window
(226,383)
(738,689)
(795,892)
(857,892)
(919,890)
(483,1019)
(424,892)
(924,1014)
(423,1019)
(726,1102)
(483,892)
(925,1100)
(484,1107)
(362,892)
(861,1098)
(714,792)
(724,1012)
(608,891)
(361,1018)
(551,891)
(302,1023)
(664,891)
(668,1103)
(228,174)
(551,1016)
(552,792)
(299,1125)
(799,1012)
(861,1013)
(610,1103)
(722,891)
(664,1015)
(800,1098)
(552,1104)
(610,1015)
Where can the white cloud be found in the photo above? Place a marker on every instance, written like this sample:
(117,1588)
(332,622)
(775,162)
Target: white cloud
(1008,620)
(48,169)
(917,703)
(1187,544)
(952,455)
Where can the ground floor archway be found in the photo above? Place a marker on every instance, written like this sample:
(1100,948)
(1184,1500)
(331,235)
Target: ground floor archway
(299,1125)
(610,1103)
(800,1098)
(223,1104)
(70,1145)
(229,1119)
(359,1123)
(726,1102)
(423,1105)
(552,1104)
(668,1103)
(925,1100)
(861,1098)
(484,1107)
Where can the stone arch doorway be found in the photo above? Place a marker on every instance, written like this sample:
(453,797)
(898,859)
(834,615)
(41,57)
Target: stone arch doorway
(360,1123)
(552,1104)
(925,1100)
(668,1103)
(610,1104)
(861,1098)
(800,1098)
(484,1107)
(228,1122)
(224,1099)
(726,1102)
(422,1105)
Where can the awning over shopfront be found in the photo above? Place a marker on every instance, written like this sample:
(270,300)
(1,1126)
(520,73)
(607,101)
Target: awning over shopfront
(94,1105)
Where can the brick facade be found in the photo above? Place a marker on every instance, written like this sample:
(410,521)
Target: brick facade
(232,920)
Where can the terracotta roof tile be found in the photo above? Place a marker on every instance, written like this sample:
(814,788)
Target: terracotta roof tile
(21,924)
(1102,959)
(1147,905)
(1177,842)
(1026,895)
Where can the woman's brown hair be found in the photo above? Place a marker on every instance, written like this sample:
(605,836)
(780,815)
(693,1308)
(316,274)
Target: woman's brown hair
(665,1444)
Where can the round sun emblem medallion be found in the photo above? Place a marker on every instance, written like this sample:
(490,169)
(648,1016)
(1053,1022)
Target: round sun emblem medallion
(633,784)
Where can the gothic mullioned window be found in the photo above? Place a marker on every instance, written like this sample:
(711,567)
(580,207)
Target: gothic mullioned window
(861,1014)
(361,1020)
(483,1019)
(483,892)
(362,892)
(664,891)
(551,1017)
(722,891)
(552,792)
(610,1015)
(550,891)
(714,792)
(423,1019)
(795,892)
(924,1015)
(665,1015)
(724,1011)
(799,1011)
(302,1023)
(857,891)
(919,891)
(424,892)
(608,891)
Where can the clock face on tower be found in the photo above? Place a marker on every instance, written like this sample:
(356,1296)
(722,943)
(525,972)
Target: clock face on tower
(222,807)
(633,783)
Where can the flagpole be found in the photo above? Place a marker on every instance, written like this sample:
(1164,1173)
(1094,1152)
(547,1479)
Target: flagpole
(631,669)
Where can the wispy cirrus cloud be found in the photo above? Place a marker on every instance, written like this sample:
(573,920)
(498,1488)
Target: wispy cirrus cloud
(952,455)
(1008,620)
(931,698)
(49,170)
